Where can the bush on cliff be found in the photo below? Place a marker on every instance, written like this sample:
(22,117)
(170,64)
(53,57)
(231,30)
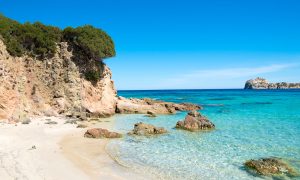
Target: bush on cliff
(94,42)
(36,38)
(92,76)
(40,40)
(8,31)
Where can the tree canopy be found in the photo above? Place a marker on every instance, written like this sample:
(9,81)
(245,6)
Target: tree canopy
(94,42)
(40,40)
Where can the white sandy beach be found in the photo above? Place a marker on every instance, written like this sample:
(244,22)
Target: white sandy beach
(61,152)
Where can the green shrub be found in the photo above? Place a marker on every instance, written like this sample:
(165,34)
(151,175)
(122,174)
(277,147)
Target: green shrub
(92,41)
(40,40)
(35,38)
(14,47)
(92,76)
(9,30)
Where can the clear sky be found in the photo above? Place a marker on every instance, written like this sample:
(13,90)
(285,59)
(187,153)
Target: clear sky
(187,44)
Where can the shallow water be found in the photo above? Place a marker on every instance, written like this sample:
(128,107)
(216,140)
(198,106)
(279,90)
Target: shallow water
(249,124)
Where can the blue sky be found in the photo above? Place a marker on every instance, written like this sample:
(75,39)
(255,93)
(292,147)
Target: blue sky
(186,44)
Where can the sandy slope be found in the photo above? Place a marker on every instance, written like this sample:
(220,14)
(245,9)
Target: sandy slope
(61,152)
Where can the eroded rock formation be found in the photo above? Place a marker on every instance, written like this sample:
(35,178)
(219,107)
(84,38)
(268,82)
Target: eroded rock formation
(53,86)
(261,83)
(194,121)
(142,129)
(143,106)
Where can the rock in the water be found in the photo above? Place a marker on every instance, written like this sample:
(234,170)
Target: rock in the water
(143,129)
(101,133)
(150,114)
(258,83)
(187,107)
(143,106)
(270,166)
(261,83)
(195,121)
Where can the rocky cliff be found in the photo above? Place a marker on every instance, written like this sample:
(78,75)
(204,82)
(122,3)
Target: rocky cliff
(53,86)
(261,83)
(57,86)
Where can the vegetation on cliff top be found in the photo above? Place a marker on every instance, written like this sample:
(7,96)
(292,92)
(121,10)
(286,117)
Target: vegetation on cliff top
(37,39)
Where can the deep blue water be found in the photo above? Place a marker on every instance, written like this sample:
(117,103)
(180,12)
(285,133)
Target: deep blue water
(249,124)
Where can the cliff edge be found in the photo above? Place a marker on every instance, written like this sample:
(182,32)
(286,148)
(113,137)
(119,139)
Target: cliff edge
(261,83)
(53,86)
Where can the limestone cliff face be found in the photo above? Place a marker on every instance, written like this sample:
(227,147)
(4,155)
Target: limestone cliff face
(261,83)
(53,86)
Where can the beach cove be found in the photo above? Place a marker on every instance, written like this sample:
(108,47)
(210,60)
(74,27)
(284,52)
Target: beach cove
(52,151)
(149,90)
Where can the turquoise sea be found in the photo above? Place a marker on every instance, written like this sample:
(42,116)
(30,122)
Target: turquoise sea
(250,124)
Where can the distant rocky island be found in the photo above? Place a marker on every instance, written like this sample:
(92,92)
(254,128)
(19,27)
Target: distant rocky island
(261,83)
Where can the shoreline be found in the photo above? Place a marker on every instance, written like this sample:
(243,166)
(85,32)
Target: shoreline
(56,151)
(62,151)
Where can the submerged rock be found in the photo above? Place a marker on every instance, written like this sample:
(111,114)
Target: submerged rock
(101,133)
(270,166)
(195,121)
(143,129)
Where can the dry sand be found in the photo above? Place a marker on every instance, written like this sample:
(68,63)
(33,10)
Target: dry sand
(56,151)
